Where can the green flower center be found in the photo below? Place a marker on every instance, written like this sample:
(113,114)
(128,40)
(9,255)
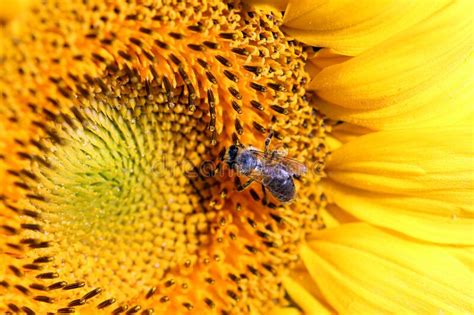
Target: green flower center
(115,178)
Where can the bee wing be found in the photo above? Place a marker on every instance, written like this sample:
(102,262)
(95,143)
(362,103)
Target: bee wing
(296,167)
(256,175)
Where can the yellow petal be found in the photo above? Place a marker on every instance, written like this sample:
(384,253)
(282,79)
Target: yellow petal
(333,216)
(464,255)
(363,270)
(321,59)
(346,132)
(324,58)
(303,298)
(268,5)
(351,27)
(286,311)
(415,78)
(416,181)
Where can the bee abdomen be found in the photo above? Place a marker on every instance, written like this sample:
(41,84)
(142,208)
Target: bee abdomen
(281,187)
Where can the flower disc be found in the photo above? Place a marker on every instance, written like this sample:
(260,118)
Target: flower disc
(119,114)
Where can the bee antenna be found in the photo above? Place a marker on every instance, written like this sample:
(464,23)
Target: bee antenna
(233,149)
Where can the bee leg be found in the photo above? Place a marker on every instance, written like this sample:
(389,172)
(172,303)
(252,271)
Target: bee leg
(268,140)
(264,199)
(245,185)
(217,168)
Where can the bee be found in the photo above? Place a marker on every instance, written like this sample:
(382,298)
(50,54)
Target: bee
(271,168)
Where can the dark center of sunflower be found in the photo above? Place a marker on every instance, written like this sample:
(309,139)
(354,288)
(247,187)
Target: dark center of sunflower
(116,173)
(111,207)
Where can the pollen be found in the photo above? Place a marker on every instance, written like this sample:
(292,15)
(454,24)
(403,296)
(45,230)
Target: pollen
(112,114)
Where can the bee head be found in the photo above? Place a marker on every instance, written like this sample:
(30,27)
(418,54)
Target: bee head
(233,150)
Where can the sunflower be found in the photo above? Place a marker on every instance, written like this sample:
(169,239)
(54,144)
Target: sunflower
(115,117)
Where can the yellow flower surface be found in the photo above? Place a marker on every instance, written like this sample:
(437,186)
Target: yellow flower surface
(412,79)
(115,115)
